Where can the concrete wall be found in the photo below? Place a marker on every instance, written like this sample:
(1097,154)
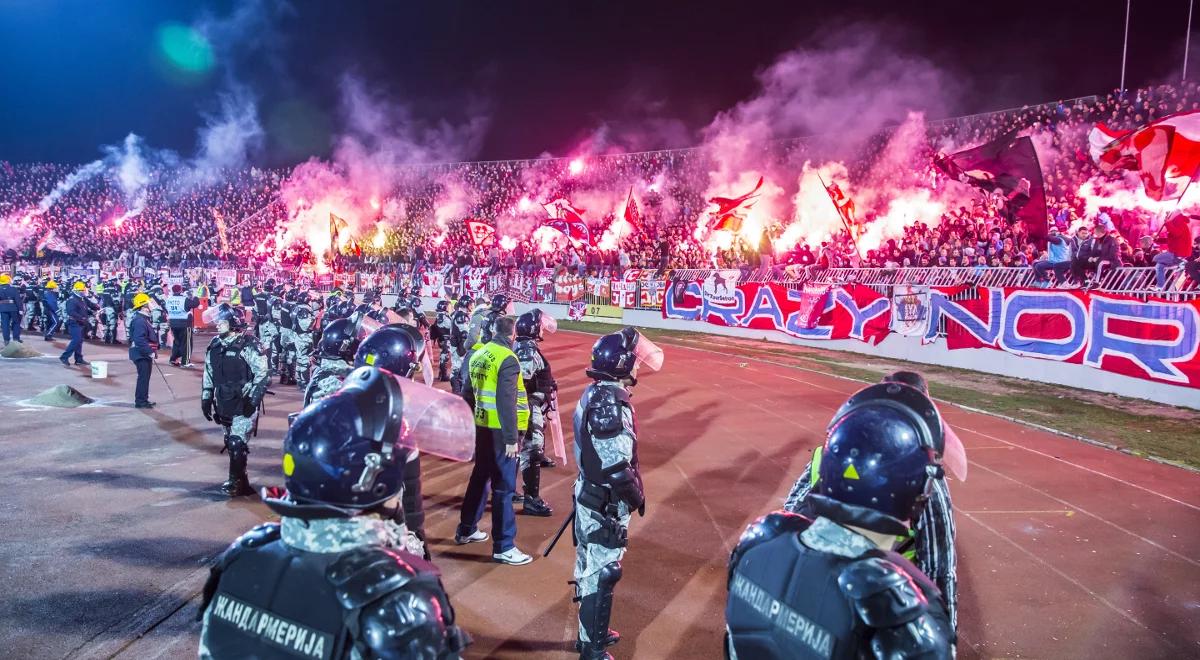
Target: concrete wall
(909,348)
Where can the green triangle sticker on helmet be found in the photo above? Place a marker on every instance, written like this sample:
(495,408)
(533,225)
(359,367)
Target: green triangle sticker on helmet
(850,472)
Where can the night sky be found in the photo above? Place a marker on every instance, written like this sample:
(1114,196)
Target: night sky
(78,74)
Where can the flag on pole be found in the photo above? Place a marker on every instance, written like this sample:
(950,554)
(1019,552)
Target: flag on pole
(52,242)
(336,224)
(568,220)
(728,204)
(845,208)
(1165,153)
(632,215)
(482,234)
(1008,165)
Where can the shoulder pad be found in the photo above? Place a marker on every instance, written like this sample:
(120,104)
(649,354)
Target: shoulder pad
(604,411)
(215,342)
(770,526)
(882,592)
(368,573)
(257,537)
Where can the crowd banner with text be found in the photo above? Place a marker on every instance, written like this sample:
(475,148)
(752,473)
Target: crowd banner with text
(850,312)
(1154,339)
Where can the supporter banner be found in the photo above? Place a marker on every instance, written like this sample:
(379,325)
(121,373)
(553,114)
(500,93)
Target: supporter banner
(650,294)
(624,288)
(1155,340)
(225,277)
(599,287)
(577,310)
(474,281)
(433,285)
(568,288)
(855,312)
(344,281)
(910,310)
(544,288)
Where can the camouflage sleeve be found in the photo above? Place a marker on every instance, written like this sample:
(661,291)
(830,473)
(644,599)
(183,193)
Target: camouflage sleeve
(621,446)
(529,367)
(206,391)
(254,357)
(799,491)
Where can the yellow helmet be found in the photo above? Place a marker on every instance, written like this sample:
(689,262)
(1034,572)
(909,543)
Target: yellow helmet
(51,284)
(79,286)
(140,300)
(5,279)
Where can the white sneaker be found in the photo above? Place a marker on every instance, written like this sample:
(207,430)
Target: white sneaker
(513,557)
(478,537)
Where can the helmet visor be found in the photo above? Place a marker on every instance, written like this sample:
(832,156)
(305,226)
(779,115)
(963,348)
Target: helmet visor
(369,324)
(436,422)
(954,457)
(549,324)
(209,315)
(647,353)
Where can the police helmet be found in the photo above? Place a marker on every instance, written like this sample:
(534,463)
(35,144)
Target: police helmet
(338,340)
(395,348)
(340,455)
(302,311)
(615,355)
(414,303)
(879,452)
(500,303)
(443,306)
(531,324)
(227,313)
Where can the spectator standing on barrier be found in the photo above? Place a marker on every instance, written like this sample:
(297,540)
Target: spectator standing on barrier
(1058,259)
(1083,249)
(10,310)
(1177,244)
(494,389)
(179,316)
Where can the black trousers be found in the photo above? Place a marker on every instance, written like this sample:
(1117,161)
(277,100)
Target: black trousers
(141,393)
(181,341)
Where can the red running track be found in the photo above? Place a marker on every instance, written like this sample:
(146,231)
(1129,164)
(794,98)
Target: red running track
(1066,550)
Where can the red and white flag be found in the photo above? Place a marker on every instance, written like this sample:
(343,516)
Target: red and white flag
(632,215)
(1165,153)
(482,234)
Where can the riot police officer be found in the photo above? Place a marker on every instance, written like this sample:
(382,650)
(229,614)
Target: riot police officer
(235,382)
(930,542)
(439,332)
(287,340)
(460,325)
(396,349)
(609,487)
(335,352)
(336,577)
(827,583)
(543,394)
(268,329)
(500,305)
(304,325)
(109,302)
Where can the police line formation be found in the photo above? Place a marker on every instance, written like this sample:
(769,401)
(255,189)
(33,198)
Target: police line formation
(859,562)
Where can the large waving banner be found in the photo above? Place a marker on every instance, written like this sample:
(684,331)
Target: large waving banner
(1155,340)
(855,312)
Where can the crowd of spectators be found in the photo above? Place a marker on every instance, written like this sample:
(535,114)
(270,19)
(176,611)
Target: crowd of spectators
(181,223)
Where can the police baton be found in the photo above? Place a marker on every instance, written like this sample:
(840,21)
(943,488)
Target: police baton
(562,529)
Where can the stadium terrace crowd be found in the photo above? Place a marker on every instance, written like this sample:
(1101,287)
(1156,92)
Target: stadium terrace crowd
(179,224)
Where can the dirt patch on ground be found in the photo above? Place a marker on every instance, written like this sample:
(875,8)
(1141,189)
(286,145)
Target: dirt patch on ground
(61,396)
(18,350)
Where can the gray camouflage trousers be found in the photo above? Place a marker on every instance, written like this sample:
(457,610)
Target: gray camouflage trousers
(302,343)
(534,442)
(267,332)
(241,426)
(591,557)
(287,351)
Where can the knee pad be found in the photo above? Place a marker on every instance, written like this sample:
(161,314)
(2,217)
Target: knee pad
(235,444)
(609,576)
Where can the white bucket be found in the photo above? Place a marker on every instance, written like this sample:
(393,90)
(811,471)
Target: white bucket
(99,369)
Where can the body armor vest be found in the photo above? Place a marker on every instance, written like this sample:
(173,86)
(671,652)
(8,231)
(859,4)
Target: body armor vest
(230,373)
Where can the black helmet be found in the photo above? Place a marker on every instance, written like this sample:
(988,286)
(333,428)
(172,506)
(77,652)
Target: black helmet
(228,313)
(340,455)
(278,290)
(463,302)
(338,340)
(614,356)
(290,295)
(414,303)
(443,306)
(395,348)
(531,324)
(500,303)
(269,284)
(880,453)
(302,311)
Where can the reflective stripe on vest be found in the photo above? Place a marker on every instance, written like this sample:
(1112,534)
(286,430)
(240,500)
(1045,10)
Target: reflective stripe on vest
(176,308)
(484,370)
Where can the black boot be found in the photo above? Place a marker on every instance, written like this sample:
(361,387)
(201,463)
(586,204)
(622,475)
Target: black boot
(595,611)
(238,484)
(443,371)
(534,505)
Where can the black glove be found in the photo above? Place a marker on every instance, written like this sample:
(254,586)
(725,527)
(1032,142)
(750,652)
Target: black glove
(206,407)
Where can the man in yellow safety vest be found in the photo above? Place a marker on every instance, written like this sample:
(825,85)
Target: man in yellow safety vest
(496,391)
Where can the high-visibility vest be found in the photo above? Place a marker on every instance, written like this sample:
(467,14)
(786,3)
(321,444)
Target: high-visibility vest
(176,308)
(484,370)
(202,291)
